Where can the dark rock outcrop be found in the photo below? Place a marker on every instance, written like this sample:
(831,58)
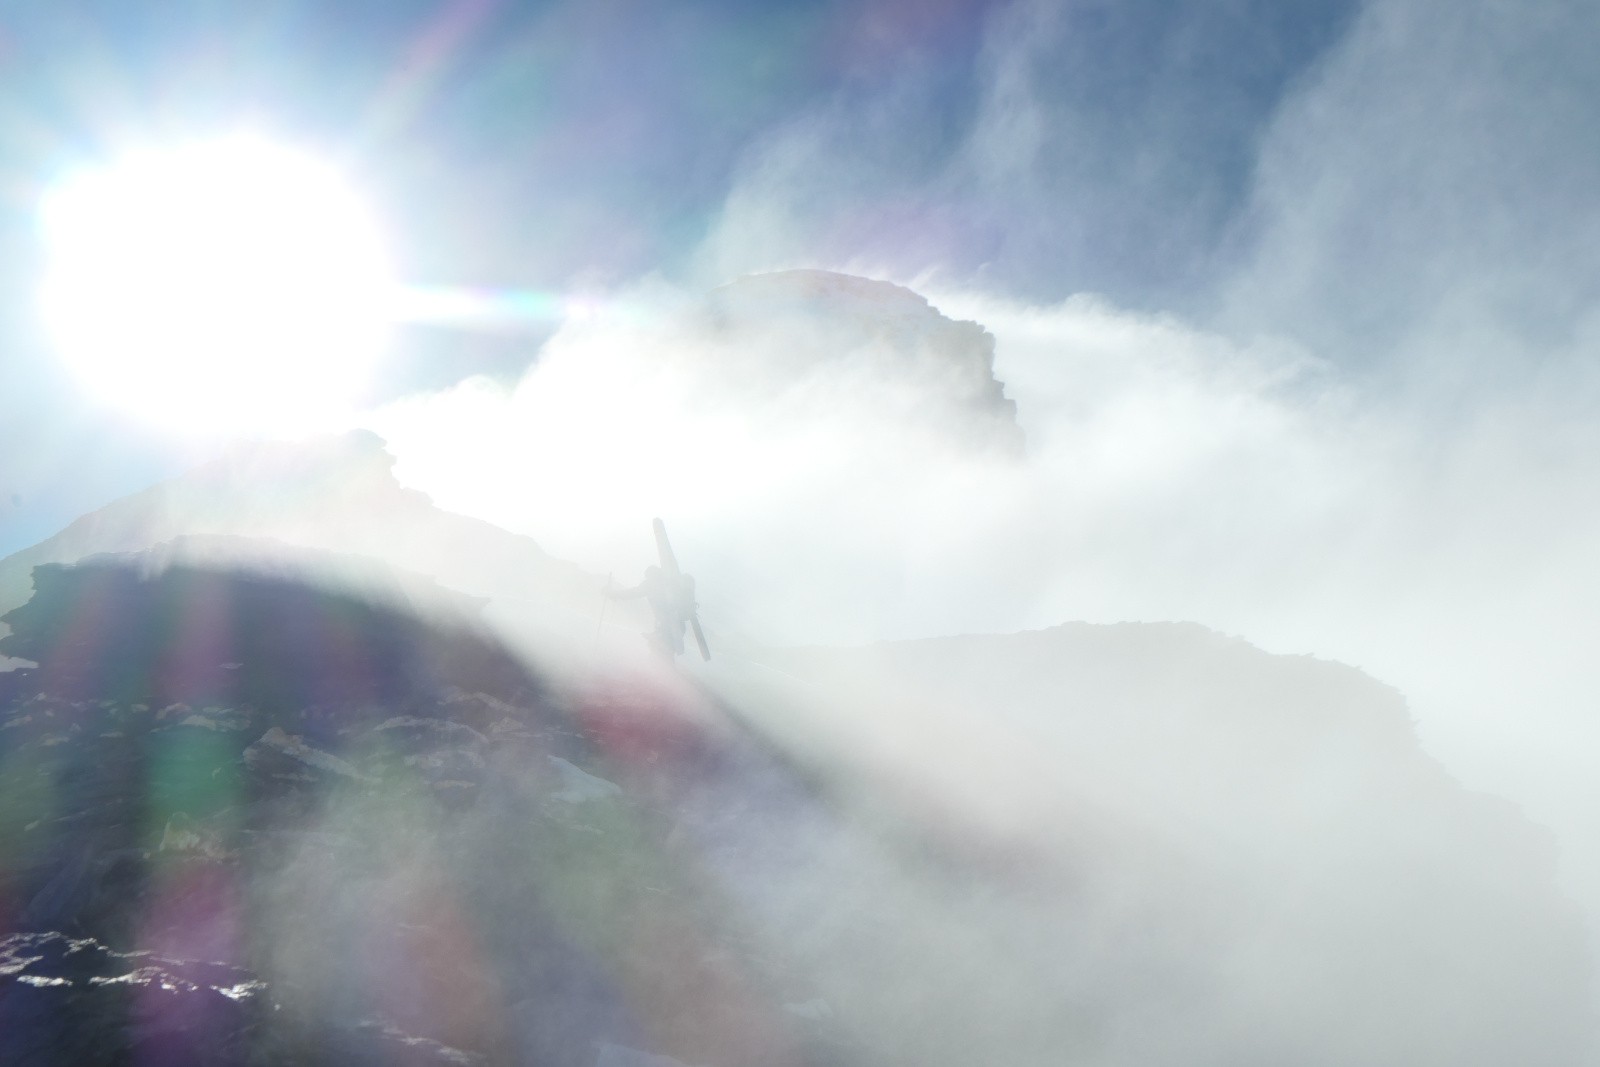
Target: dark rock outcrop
(863,349)
(73,1002)
(244,819)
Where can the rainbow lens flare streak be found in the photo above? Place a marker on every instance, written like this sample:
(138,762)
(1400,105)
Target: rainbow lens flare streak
(492,310)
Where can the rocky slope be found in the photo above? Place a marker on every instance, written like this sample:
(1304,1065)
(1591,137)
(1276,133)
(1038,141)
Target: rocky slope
(861,342)
(245,812)
(338,495)
(1253,860)
(244,819)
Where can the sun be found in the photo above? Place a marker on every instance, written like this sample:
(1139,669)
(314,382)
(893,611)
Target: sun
(227,284)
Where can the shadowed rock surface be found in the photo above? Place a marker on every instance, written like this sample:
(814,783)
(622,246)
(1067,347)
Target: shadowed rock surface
(73,1001)
(247,812)
(246,820)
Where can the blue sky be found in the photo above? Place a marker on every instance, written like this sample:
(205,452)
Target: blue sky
(1298,302)
(543,145)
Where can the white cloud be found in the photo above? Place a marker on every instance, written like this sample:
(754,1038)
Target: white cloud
(1165,468)
(1407,486)
(1428,198)
(1171,473)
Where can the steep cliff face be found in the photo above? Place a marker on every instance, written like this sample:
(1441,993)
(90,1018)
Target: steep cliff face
(865,344)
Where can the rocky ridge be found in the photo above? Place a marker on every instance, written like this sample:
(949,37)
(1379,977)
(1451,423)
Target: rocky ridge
(336,495)
(315,829)
(1145,843)
(859,342)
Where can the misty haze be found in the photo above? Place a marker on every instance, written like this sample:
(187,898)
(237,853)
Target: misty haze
(828,533)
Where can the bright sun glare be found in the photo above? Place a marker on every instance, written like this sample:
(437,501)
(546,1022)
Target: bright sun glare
(232,283)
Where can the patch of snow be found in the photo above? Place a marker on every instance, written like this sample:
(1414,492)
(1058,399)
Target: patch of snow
(295,748)
(578,785)
(432,1049)
(459,696)
(610,1055)
(438,726)
(242,990)
(179,841)
(815,1009)
(18,964)
(402,720)
(142,976)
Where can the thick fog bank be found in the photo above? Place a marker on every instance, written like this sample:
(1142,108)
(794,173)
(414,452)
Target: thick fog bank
(348,827)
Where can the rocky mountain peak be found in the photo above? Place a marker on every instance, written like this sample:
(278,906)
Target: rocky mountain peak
(886,345)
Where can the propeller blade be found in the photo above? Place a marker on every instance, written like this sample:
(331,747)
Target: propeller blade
(669,562)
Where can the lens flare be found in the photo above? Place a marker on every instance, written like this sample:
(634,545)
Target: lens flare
(233,283)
